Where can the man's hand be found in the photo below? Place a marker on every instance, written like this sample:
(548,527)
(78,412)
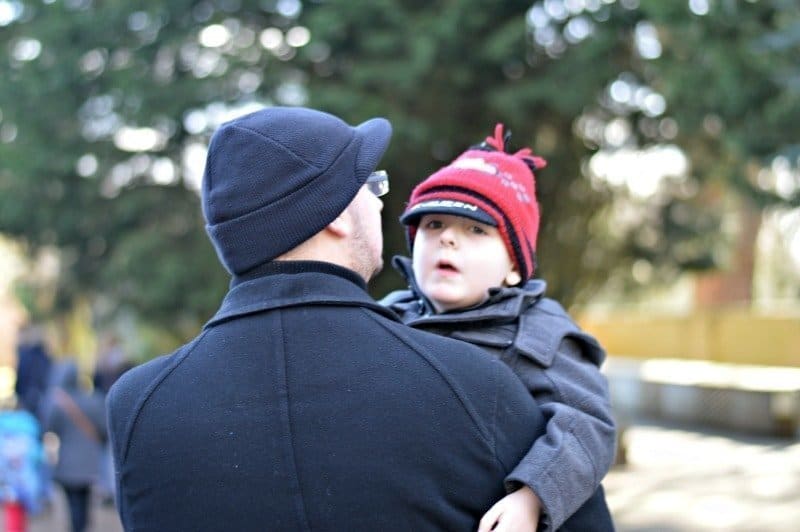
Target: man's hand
(516,512)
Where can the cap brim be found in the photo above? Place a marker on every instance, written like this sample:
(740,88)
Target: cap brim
(454,208)
(375,135)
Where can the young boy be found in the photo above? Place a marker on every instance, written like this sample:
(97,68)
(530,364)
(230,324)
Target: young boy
(472,229)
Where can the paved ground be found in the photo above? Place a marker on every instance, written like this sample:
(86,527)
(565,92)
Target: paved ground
(676,479)
(689,480)
(55,518)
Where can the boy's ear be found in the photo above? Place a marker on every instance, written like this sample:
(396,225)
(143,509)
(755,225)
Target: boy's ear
(513,278)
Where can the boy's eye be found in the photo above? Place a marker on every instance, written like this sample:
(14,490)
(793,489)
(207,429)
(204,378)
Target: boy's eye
(433,224)
(478,230)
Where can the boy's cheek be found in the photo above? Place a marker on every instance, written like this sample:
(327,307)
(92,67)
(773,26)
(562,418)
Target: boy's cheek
(419,262)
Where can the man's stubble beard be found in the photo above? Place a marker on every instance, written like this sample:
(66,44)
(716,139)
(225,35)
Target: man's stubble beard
(364,262)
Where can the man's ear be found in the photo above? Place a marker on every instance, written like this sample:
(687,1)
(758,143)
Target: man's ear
(342,225)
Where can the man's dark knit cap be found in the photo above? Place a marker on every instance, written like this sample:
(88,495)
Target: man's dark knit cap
(276,177)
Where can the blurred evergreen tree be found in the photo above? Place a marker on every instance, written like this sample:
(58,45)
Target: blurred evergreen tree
(80,79)
(100,107)
(445,73)
(717,79)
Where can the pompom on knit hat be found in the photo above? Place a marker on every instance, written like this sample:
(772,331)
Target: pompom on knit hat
(276,177)
(488,184)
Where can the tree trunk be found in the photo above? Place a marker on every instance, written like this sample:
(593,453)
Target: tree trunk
(733,285)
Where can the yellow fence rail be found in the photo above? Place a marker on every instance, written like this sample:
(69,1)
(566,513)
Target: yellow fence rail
(725,335)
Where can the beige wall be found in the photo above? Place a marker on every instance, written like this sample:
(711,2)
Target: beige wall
(11,313)
(11,317)
(724,335)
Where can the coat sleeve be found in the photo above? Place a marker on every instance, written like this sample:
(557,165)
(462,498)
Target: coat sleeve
(119,410)
(122,406)
(566,465)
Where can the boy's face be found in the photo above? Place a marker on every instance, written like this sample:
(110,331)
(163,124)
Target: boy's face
(456,260)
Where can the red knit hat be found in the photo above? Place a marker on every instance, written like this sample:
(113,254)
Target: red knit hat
(489,185)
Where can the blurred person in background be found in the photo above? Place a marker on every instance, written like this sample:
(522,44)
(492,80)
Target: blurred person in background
(78,419)
(33,368)
(111,362)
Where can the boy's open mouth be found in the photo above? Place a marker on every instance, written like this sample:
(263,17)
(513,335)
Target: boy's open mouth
(446,266)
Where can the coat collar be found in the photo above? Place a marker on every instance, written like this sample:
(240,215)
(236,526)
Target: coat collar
(292,283)
(504,303)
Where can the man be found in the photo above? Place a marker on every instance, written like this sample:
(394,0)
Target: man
(303,404)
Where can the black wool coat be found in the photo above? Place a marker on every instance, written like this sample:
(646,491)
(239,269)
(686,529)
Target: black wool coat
(305,405)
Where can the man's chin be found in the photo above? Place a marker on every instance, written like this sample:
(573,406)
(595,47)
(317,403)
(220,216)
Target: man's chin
(377,269)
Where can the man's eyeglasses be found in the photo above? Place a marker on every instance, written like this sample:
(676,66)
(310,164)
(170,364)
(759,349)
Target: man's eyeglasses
(378,182)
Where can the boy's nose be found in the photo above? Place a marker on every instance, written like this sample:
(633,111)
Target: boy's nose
(447,237)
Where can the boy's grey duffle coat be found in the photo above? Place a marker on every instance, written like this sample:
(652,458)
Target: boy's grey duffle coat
(558,363)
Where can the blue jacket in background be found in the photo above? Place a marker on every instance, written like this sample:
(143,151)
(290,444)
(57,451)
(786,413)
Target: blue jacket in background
(305,405)
(23,470)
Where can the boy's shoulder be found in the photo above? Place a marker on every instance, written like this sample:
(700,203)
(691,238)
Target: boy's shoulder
(545,308)
(545,325)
